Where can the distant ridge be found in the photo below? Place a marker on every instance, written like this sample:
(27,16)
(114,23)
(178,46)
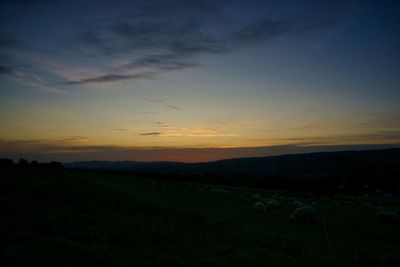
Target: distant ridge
(354,172)
(321,161)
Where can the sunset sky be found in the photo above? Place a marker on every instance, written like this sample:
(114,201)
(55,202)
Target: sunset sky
(197,80)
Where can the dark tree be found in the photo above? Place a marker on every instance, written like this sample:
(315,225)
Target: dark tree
(23,163)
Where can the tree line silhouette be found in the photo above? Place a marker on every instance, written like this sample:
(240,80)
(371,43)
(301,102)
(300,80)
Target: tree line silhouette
(25,164)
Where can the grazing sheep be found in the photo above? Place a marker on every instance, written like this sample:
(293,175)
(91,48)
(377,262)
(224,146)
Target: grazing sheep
(259,206)
(255,197)
(299,204)
(303,214)
(219,190)
(272,204)
(388,216)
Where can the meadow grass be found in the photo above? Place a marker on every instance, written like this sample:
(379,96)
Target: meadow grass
(64,218)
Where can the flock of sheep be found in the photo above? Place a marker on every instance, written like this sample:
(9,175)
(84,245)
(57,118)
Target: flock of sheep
(306,212)
(302,212)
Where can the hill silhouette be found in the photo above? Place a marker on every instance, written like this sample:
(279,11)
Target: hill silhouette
(355,172)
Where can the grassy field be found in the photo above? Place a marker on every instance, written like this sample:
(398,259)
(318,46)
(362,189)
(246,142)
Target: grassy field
(65,218)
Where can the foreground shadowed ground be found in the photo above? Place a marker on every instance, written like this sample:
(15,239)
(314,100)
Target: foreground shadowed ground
(65,218)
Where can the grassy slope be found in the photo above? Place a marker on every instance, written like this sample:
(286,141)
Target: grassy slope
(65,218)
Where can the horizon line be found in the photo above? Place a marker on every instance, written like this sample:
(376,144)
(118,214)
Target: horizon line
(190,155)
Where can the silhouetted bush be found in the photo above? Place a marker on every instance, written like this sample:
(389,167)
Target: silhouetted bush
(6,164)
(23,163)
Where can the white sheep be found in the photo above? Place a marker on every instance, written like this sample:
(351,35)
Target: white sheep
(299,204)
(255,197)
(305,213)
(219,190)
(268,200)
(259,206)
(272,204)
(388,216)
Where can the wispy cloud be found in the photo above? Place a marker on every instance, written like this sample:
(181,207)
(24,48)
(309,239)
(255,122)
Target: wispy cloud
(111,78)
(151,134)
(190,132)
(168,35)
(74,138)
(164,102)
(262,30)
(29,80)
(149,38)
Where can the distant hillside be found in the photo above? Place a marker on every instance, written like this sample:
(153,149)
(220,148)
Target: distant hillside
(357,171)
(293,163)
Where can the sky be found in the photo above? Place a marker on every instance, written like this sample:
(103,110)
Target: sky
(197,80)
